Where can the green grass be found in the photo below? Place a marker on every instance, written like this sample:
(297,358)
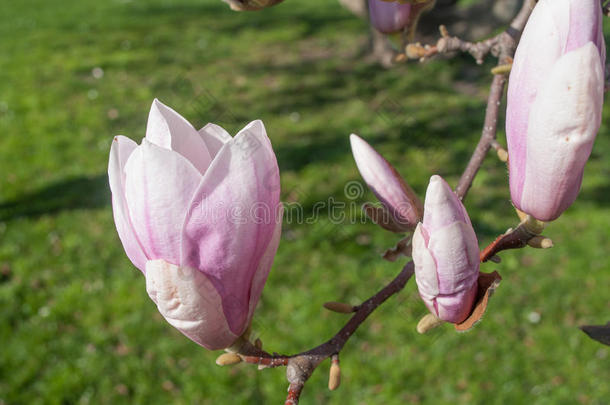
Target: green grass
(76,325)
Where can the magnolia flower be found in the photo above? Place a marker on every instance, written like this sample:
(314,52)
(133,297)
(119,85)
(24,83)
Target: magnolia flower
(389,17)
(402,209)
(555,98)
(446,254)
(196,213)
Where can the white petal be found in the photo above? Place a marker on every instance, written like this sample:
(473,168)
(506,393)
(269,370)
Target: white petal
(564,121)
(456,253)
(425,265)
(169,130)
(189,302)
(214,137)
(120,151)
(159,185)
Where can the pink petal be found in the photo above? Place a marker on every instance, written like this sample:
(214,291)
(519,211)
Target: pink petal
(442,207)
(159,186)
(456,252)
(169,130)
(542,43)
(120,151)
(232,219)
(260,277)
(564,121)
(425,268)
(214,137)
(585,25)
(189,302)
(456,307)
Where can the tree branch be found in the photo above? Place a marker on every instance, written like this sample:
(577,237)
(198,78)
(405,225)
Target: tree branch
(488,135)
(507,43)
(528,232)
(299,367)
(500,46)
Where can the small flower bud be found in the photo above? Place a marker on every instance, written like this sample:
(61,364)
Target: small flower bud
(540,242)
(339,307)
(427,323)
(403,208)
(228,359)
(502,154)
(334,377)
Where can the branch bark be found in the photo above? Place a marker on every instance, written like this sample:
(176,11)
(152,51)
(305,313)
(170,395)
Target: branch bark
(500,46)
(301,366)
(507,42)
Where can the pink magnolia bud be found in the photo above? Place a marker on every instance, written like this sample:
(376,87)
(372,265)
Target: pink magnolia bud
(402,205)
(198,213)
(446,254)
(555,98)
(389,17)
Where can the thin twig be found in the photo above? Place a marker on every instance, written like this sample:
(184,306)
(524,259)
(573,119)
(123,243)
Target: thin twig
(528,232)
(488,135)
(498,46)
(513,239)
(507,44)
(301,366)
(448,44)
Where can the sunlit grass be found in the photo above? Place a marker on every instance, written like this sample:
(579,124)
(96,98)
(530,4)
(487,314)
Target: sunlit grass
(76,325)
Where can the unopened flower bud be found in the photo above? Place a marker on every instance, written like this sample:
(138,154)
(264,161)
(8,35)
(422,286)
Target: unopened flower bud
(401,204)
(389,17)
(446,255)
(555,98)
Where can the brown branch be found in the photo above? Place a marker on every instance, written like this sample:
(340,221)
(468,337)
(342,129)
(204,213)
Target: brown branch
(526,233)
(294,393)
(299,367)
(448,44)
(488,135)
(507,43)
(500,46)
(513,239)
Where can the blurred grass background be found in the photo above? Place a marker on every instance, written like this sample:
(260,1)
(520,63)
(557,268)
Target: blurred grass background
(76,324)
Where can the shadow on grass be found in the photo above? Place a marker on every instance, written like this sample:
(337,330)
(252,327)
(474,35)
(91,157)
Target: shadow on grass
(332,85)
(310,19)
(76,193)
